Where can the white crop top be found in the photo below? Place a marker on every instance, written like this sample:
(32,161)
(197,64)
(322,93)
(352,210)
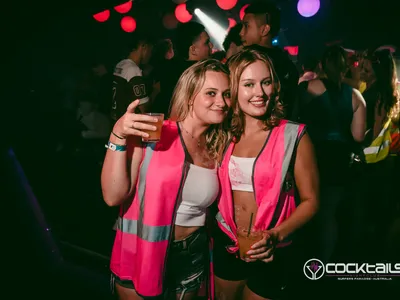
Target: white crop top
(200,190)
(240,172)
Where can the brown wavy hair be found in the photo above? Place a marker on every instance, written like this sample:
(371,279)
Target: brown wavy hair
(186,90)
(275,110)
(384,68)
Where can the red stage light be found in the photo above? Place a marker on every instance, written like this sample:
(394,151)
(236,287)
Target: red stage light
(181,14)
(124,8)
(241,13)
(232,22)
(226,4)
(128,24)
(293,50)
(102,16)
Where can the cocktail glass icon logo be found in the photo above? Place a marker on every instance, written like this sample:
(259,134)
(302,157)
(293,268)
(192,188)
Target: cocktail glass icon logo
(314,269)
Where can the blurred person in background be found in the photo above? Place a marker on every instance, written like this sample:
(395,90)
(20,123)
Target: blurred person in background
(158,69)
(335,115)
(219,55)
(192,44)
(382,148)
(353,77)
(102,84)
(309,68)
(261,24)
(233,42)
(96,124)
(129,83)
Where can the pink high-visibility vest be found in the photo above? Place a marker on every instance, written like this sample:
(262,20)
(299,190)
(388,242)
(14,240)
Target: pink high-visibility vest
(273,185)
(145,224)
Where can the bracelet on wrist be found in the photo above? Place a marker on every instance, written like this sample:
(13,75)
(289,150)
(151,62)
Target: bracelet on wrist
(115,147)
(117,136)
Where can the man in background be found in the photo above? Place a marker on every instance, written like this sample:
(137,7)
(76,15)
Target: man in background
(233,42)
(192,44)
(261,23)
(128,83)
(309,70)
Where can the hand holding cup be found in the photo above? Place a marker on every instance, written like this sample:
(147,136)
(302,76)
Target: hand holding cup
(132,124)
(264,249)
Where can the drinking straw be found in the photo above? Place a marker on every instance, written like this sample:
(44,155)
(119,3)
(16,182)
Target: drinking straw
(251,219)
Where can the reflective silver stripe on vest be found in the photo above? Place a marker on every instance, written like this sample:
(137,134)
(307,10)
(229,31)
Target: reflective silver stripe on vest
(376,149)
(142,185)
(149,233)
(290,140)
(145,232)
(221,220)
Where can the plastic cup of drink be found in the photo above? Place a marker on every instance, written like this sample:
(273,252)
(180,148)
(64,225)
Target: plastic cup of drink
(154,136)
(246,240)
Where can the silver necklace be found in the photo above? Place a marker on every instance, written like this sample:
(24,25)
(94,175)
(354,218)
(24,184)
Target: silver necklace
(198,141)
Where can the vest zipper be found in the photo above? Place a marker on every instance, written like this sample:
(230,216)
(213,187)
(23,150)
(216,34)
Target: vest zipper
(254,164)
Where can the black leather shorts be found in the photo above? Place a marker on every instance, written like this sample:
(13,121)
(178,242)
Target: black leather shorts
(187,261)
(267,280)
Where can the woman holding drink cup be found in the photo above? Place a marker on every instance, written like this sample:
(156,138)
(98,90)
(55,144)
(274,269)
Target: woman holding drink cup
(164,186)
(265,164)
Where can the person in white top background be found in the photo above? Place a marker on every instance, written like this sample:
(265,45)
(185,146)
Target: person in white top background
(96,124)
(128,82)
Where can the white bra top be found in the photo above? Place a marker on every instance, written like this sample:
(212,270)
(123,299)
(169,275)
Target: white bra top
(200,190)
(240,172)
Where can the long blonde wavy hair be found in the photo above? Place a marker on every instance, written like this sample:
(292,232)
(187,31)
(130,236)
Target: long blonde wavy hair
(275,111)
(186,90)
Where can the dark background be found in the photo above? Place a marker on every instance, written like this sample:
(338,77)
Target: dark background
(66,29)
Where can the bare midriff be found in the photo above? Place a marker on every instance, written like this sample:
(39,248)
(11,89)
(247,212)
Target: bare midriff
(182,232)
(244,207)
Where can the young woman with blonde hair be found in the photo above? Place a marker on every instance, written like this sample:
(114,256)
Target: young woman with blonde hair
(267,163)
(165,188)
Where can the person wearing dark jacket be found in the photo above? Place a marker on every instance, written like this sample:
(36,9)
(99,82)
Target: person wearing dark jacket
(192,44)
(261,23)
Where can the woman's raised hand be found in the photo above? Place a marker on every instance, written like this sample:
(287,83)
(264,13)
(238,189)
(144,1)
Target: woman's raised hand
(132,124)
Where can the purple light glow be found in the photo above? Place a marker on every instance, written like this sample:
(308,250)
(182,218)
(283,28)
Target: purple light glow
(308,8)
